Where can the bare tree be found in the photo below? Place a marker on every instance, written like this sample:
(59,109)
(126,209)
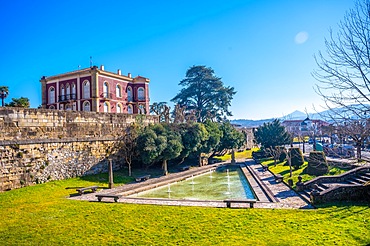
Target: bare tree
(128,144)
(343,73)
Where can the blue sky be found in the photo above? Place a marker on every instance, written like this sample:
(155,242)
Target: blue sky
(263,48)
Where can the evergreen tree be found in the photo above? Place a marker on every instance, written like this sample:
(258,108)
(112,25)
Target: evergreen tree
(204,94)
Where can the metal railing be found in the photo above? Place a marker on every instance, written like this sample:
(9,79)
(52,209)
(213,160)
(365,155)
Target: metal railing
(67,97)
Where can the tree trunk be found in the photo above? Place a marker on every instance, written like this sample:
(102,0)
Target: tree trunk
(358,149)
(164,166)
(200,160)
(129,170)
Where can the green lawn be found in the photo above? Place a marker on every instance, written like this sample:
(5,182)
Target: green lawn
(41,215)
(246,154)
(284,170)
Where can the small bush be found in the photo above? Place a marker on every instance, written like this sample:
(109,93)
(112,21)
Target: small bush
(260,154)
(282,156)
(296,157)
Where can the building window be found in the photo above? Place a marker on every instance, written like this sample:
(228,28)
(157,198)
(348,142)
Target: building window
(73,96)
(129,94)
(51,95)
(141,109)
(118,91)
(140,93)
(62,94)
(119,108)
(51,107)
(106,107)
(86,89)
(86,106)
(61,107)
(68,92)
(105,90)
(68,107)
(129,109)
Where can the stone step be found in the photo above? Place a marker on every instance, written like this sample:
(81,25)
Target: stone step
(305,194)
(324,186)
(365,175)
(360,180)
(354,181)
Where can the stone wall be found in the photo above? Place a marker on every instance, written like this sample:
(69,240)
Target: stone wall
(39,145)
(20,124)
(27,164)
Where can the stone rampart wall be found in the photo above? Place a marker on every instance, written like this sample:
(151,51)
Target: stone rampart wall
(20,124)
(27,164)
(39,145)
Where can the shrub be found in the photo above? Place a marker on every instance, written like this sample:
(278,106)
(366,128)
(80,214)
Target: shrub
(296,157)
(282,156)
(317,164)
(260,154)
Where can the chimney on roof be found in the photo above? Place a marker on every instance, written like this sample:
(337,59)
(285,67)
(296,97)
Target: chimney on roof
(102,67)
(129,75)
(119,71)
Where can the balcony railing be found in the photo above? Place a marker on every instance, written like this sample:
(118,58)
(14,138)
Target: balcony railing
(67,97)
(107,95)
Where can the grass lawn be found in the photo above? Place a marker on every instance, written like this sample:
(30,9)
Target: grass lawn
(246,154)
(41,215)
(285,171)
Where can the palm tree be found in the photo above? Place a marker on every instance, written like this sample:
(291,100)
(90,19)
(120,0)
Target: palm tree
(4,91)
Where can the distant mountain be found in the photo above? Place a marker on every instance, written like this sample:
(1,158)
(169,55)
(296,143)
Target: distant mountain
(298,115)
(250,123)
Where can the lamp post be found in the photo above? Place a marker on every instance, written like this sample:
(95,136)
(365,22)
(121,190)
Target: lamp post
(3,94)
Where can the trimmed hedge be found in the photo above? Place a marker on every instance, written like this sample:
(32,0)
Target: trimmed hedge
(296,157)
(317,164)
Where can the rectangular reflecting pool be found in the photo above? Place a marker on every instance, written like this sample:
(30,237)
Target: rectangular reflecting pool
(223,183)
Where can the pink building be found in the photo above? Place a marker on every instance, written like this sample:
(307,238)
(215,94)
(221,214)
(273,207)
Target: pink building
(96,90)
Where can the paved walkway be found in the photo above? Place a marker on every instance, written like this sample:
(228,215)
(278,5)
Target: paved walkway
(282,196)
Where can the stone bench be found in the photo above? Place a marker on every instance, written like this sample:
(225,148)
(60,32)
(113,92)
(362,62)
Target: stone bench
(142,178)
(279,178)
(230,201)
(82,190)
(101,196)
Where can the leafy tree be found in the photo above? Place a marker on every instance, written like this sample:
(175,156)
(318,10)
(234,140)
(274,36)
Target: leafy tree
(231,138)
(4,92)
(193,136)
(215,134)
(158,143)
(22,102)
(204,94)
(172,149)
(272,135)
(150,146)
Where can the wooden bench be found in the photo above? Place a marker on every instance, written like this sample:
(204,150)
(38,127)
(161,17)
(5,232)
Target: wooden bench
(142,178)
(82,190)
(278,178)
(184,168)
(101,196)
(230,201)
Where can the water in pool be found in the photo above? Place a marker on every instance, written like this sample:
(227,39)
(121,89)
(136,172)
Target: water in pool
(220,184)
